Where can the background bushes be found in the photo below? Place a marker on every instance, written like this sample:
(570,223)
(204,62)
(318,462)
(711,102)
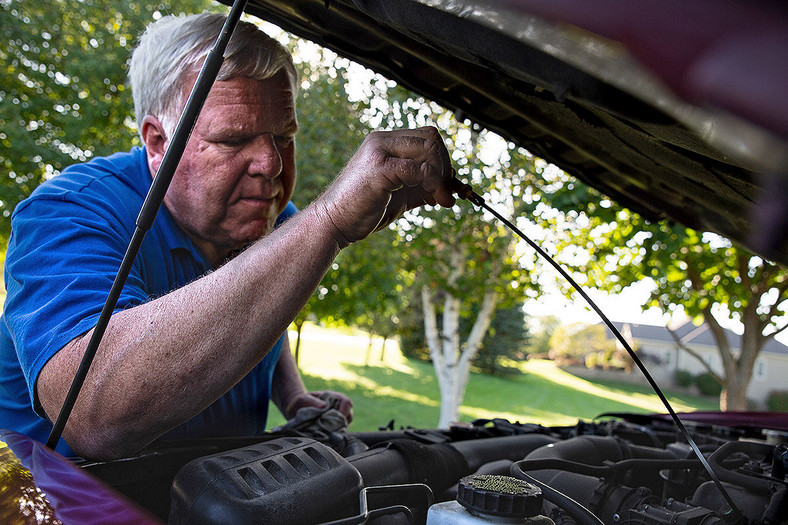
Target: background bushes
(777,401)
(684,378)
(706,383)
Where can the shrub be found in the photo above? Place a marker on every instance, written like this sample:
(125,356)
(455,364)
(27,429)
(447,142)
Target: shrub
(777,401)
(506,339)
(708,384)
(413,345)
(411,333)
(592,360)
(684,378)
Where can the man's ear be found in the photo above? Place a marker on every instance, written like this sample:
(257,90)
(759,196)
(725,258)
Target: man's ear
(156,141)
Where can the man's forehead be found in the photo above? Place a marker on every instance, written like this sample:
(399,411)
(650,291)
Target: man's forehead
(274,87)
(248,103)
(277,87)
(279,126)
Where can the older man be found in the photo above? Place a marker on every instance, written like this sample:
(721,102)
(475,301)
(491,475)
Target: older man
(195,346)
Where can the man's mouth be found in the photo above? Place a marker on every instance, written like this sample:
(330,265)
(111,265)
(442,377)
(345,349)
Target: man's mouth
(258,199)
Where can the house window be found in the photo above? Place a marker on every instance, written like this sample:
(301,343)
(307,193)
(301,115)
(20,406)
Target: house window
(760,370)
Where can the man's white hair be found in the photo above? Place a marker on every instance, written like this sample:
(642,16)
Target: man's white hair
(172,50)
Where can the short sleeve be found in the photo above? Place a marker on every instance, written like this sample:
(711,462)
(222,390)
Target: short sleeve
(62,259)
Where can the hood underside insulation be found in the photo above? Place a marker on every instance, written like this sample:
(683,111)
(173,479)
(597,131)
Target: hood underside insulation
(554,80)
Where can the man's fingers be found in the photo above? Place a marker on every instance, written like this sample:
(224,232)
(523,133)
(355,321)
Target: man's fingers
(339,401)
(420,148)
(392,171)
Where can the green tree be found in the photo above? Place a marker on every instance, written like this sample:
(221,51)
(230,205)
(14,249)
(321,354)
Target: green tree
(507,338)
(541,329)
(64,97)
(380,290)
(363,288)
(412,342)
(330,127)
(328,134)
(701,274)
(463,265)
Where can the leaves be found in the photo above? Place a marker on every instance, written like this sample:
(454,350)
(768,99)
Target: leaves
(364,286)
(700,273)
(64,97)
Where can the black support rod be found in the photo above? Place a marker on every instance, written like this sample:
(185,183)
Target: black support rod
(202,86)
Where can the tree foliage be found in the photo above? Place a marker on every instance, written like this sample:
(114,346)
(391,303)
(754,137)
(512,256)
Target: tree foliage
(464,264)
(330,127)
(507,339)
(64,97)
(699,274)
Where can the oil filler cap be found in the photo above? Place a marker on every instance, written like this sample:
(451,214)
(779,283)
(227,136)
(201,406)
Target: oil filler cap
(502,496)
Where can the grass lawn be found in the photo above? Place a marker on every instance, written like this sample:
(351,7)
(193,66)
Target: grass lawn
(407,392)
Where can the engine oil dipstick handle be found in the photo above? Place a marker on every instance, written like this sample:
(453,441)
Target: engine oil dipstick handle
(465,191)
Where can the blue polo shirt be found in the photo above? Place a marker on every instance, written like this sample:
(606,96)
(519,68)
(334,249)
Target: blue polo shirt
(68,239)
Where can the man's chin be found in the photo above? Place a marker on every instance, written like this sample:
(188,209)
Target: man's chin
(253,235)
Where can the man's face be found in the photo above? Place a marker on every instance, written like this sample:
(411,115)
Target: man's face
(238,170)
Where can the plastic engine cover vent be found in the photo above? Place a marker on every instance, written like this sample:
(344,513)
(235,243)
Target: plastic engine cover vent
(283,481)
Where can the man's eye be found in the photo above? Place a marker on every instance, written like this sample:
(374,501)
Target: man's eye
(232,142)
(284,140)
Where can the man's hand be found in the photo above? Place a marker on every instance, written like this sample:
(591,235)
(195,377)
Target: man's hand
(318,400)
(391,172)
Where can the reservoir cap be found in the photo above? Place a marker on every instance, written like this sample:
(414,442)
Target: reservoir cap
(502,496)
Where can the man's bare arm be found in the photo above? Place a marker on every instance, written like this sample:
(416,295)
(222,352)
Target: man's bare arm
(163,362)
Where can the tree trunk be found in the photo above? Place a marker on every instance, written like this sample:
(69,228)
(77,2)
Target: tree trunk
(369,349)
(734,393)
(737,369)
(299,326)
(473,343)
(451,360)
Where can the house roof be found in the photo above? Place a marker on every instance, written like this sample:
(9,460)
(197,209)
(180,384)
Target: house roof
(690,335)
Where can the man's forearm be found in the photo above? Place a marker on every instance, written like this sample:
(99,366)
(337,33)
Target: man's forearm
(163,362)
(287,382)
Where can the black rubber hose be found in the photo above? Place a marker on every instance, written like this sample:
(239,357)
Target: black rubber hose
(595,450)
(749,482)
(581,514)
(404,461)
(609,472)
(478,452)
(439,465)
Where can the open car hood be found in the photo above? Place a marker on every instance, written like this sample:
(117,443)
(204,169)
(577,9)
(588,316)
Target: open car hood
(674,109)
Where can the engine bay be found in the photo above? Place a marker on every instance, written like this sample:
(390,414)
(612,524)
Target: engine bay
(618,469)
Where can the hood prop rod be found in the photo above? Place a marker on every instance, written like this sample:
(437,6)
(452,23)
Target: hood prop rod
(161,182)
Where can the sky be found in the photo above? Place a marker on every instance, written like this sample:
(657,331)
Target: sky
(624,307)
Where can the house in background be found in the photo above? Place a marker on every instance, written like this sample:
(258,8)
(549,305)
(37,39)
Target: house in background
(663,357)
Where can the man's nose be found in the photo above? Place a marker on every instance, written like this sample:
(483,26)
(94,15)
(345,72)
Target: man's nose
(264,157)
